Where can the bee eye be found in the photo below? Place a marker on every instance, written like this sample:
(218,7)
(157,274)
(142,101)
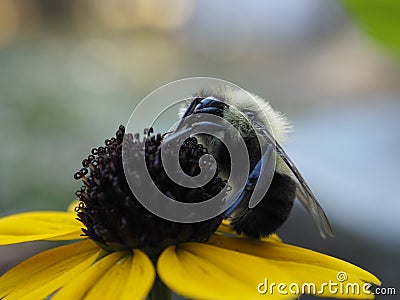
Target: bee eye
(208,102)
(210,105)
(249,114)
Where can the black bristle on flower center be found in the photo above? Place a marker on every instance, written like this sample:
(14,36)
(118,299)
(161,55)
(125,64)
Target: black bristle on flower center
(115,219)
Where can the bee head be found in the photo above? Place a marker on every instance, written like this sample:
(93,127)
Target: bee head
(239,120)
(211,105)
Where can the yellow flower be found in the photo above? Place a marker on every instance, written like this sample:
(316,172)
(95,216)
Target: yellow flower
(226,267)
(115,260)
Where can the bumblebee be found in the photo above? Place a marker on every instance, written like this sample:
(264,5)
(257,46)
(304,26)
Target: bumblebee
(253,119)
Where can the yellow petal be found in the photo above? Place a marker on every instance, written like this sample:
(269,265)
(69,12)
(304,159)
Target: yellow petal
(74,204)
(34,226)
(80,286)
(119,275)
(130,278)
(140,279)
(225,228)
(305,265)
(203,271)
(45,272)
(273,237)
(74,235)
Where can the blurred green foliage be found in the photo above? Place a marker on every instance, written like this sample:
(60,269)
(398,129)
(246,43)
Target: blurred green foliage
(379,18)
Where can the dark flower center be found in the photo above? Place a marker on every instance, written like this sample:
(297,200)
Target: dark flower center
(115,219)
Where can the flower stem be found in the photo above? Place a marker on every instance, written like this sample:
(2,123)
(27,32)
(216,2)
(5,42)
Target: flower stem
(159,291)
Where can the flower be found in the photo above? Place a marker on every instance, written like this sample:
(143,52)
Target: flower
(125,252)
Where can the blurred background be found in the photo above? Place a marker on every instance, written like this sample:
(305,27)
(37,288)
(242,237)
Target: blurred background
(72,71)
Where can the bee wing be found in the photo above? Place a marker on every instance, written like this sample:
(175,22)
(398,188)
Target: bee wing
(303,191)
(306,196)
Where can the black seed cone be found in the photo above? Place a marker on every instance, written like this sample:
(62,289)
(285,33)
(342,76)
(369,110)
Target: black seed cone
(114,218)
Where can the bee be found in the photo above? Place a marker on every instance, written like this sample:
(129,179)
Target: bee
(252,119)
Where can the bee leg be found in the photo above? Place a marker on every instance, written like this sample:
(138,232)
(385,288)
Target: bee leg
(251,183)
